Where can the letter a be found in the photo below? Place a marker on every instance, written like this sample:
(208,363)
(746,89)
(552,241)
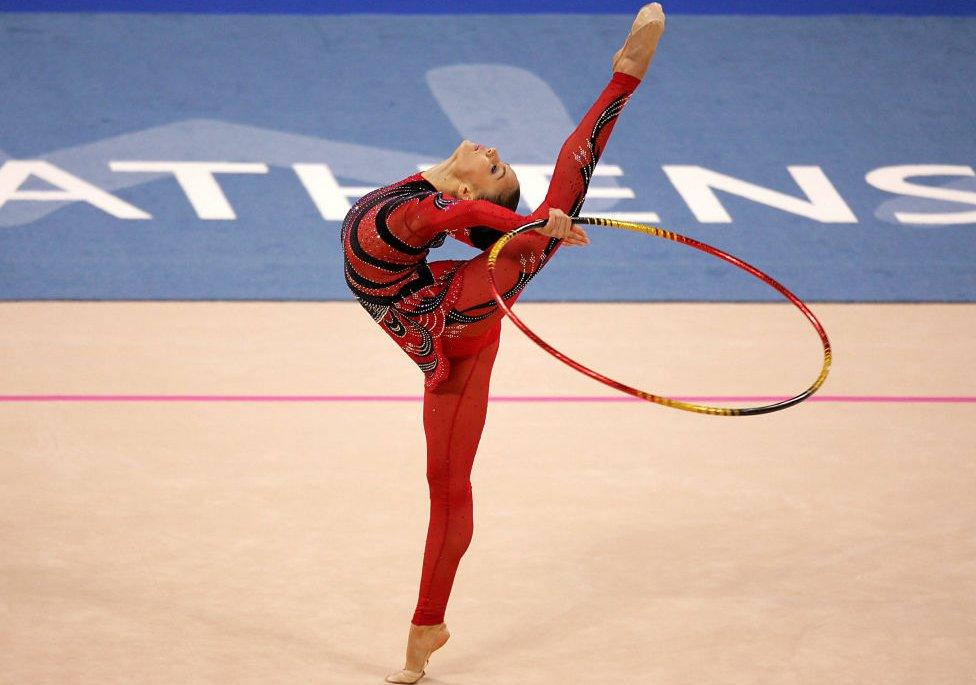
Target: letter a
(72,189)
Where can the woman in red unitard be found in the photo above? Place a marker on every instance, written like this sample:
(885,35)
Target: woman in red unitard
(443,314)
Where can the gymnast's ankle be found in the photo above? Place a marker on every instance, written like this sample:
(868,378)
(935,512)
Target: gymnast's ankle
(421,627)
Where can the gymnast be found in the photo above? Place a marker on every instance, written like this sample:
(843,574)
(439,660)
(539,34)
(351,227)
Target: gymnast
(443,313)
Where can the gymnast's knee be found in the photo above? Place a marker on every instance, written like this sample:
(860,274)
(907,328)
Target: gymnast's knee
(456,494)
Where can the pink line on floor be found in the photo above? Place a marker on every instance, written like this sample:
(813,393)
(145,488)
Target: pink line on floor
(705,399)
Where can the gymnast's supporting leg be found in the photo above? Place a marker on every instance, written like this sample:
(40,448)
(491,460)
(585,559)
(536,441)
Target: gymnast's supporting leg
(454,415)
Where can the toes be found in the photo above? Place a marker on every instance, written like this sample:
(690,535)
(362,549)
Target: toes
(404,676)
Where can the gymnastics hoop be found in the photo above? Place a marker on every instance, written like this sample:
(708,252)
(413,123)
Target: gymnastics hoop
(650,397)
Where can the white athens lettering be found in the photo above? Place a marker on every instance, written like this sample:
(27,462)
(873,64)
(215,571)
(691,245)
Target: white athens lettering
(697,186)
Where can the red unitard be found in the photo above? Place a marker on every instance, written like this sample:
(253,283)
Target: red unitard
(443,314)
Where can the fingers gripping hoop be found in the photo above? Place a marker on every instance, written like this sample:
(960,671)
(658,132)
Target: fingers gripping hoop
(658,399)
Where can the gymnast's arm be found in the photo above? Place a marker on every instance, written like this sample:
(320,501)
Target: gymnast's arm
(478,223)
(438,213)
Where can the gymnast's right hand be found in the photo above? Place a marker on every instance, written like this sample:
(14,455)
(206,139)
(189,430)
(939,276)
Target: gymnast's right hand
(560,225)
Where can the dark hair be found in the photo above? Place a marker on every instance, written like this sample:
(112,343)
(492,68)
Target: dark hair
(508,200)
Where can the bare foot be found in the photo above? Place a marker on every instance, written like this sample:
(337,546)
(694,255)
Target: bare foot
(421,643)
(638,49)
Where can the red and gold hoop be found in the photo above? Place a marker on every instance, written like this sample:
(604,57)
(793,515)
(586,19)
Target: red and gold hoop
(650,397)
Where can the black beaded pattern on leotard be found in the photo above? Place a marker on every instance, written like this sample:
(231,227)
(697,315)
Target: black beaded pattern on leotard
(399,291)
(363,270)
(413,301)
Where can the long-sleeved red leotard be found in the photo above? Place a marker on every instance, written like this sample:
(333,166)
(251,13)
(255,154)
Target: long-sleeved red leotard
(388,233)
(444,316)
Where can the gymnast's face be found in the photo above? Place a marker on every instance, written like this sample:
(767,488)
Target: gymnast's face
(482,173)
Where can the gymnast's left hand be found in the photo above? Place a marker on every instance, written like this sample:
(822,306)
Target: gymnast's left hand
(560,225)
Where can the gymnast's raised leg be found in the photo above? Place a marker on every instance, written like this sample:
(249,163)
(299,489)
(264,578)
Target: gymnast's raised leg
(526,254)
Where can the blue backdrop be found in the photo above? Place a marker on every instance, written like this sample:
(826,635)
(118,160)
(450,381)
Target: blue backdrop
(835,152)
